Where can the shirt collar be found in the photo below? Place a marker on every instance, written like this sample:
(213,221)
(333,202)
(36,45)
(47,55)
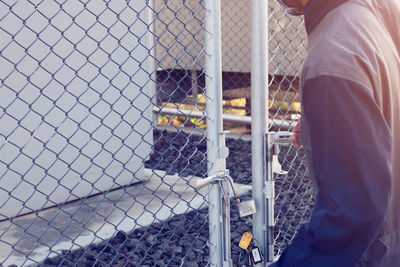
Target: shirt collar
(316,10)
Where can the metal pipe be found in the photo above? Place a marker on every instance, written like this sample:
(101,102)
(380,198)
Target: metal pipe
(213,74)
(152,68)
(270,199)
(282,124)
(259,93)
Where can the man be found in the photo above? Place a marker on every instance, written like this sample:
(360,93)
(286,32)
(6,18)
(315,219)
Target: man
(350,129)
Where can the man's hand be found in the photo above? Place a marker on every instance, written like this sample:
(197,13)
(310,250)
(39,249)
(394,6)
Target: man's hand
(295,138)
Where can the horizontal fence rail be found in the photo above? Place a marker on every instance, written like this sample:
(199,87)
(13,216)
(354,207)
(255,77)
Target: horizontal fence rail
(282,124)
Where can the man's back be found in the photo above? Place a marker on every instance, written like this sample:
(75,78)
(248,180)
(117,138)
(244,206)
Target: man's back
(350,129)
(359,41)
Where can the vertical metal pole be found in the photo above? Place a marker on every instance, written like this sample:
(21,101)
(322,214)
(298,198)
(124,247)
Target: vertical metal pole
(259,93)
(195,84)
(270,196)
(152,67)
(213,74)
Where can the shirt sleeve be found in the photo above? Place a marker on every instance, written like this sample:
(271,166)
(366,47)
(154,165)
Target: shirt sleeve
(351,148)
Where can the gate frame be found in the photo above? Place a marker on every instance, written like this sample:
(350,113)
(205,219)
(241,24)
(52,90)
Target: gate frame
(259,125)
(219,210)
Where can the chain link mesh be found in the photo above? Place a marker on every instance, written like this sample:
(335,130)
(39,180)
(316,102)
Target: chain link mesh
(293,192)
(88,177)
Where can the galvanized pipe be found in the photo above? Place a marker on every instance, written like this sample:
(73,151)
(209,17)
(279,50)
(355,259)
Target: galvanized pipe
(282,124)
(259,93)
(213,74)
(151,46)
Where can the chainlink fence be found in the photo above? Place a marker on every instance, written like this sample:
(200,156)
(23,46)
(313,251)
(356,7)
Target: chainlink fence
(103,130)
(293,192)
(87,177)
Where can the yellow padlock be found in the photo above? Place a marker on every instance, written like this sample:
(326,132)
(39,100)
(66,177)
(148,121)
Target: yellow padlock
(245,241)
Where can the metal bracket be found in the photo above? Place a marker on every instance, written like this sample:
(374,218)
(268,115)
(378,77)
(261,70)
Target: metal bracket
(223,150)
(269,189)
(218,177)
(275,140)
(246,208)
(281,138)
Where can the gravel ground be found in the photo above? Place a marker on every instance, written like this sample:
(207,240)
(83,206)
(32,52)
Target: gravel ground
(182,240)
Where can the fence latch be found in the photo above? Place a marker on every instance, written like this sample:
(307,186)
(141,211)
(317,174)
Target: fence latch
(246,208)
(276,140)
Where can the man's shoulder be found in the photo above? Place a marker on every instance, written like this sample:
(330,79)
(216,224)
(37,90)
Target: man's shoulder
(341,43)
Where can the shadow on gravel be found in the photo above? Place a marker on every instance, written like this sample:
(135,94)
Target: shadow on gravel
(186,154)
(180,241)
(183,239)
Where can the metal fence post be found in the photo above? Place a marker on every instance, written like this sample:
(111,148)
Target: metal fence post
(259,92)
(219,253)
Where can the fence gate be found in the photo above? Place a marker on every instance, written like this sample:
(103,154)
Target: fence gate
(281,186)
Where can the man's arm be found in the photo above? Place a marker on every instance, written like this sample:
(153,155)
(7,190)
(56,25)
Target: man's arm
(351,158)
